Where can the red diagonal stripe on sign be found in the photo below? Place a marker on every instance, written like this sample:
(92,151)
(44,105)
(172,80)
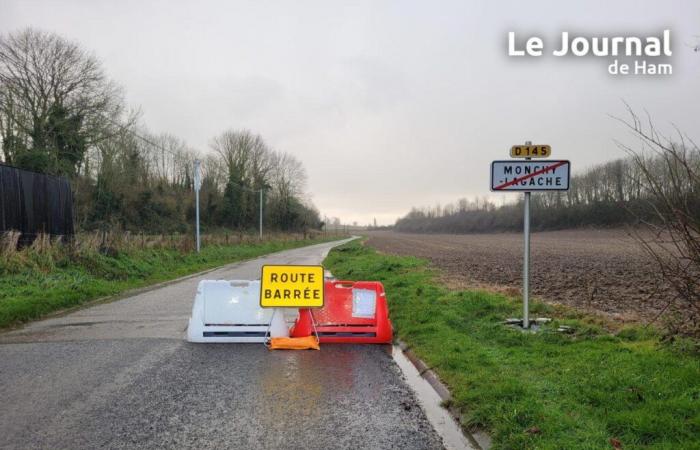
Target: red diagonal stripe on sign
(530,175)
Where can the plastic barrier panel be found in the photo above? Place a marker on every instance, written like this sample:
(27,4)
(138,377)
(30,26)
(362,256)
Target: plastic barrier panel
(229,311)
(353,312)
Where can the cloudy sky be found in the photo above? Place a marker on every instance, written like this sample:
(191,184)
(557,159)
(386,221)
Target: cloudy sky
(389,104)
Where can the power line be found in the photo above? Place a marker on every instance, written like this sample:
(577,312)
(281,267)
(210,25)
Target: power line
(246,188)
(128,130)
(160,147)
(120,126)
(134,133)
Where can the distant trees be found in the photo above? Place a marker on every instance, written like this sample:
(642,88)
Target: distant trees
(137,185)
(287,206)
(55,101)
(61,115)
(251,165)
(247,160)
(610,194)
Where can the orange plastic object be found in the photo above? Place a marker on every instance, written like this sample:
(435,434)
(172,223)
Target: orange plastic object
(354,312)
(296,343)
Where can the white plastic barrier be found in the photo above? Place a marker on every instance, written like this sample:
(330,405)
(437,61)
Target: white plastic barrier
(229,311)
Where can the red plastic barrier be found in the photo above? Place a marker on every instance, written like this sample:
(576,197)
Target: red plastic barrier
(347,315)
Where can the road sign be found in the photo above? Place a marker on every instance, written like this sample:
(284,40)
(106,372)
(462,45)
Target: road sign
(549,175)
(291,287)
(530,151)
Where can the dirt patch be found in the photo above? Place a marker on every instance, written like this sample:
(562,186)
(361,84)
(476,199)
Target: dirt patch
(602,271)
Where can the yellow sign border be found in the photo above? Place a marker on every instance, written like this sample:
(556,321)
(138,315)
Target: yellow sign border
(323,285)
(549,151)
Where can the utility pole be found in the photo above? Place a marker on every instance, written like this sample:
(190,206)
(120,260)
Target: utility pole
(526,258)
(261,212)
(197,186)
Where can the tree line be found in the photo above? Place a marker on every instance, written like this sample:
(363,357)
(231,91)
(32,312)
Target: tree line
(614,193)
(60,114)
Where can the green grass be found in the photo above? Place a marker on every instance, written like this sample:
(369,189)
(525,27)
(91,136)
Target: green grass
(35,285)
(541,391)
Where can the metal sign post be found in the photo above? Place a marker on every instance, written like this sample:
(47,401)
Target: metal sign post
(197,186)
(528,176)
(526,257)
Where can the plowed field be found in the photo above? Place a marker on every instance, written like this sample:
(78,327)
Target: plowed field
(604,271)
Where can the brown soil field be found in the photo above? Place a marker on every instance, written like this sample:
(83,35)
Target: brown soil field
(602,271)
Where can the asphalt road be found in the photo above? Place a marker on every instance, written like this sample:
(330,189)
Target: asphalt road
(120,375)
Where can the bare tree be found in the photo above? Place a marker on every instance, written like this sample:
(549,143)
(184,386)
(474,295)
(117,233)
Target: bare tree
(60,114)
(670,181)
(55,101)
(288,176)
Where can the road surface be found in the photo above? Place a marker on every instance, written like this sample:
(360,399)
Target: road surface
(120,375)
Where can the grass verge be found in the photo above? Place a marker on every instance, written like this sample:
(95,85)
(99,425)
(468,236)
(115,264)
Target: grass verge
(586,390)
(34,284)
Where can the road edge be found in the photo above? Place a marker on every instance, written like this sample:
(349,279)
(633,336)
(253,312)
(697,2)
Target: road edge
(478,438)
(143,289)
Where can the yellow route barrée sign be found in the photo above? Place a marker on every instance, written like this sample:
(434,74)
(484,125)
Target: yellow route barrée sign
(291,287)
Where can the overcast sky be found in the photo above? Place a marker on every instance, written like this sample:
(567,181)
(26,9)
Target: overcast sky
(389,104)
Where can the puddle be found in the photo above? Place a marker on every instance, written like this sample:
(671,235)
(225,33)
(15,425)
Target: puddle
(439,417)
